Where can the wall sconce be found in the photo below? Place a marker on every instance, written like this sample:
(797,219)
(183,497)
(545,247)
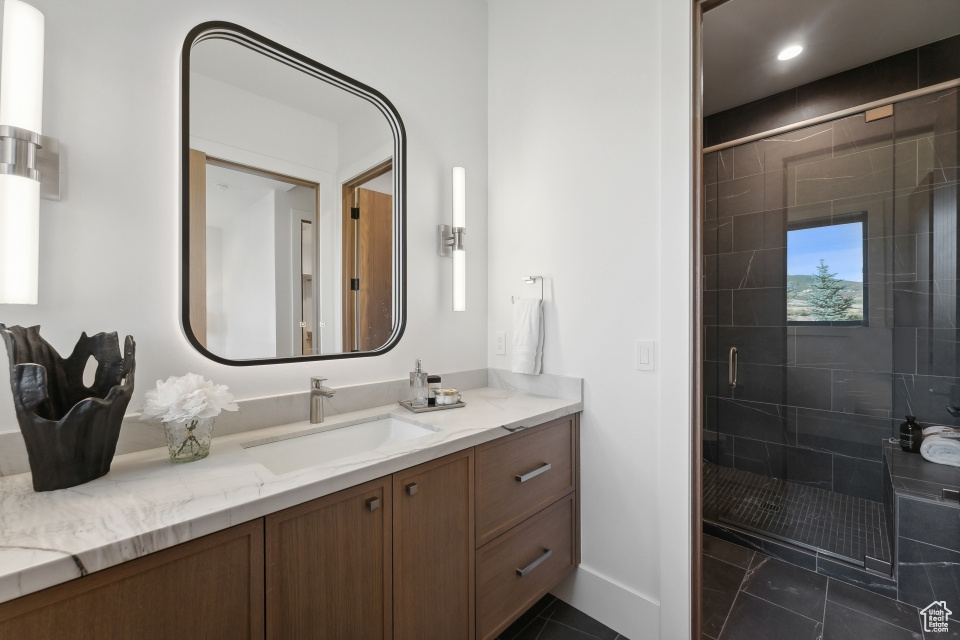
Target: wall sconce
(450,239)
(29,162)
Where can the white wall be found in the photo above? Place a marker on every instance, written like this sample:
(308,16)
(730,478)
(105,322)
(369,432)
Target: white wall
(110,249)
(589,187)
(250,281)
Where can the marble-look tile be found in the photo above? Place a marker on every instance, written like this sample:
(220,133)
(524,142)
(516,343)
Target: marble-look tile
(806,467)
(858,478)
(854,134)
(936,523)
(760,115)
(755,345)
(873,81)
(863,393)
(727,551)
(754,420)
(748,232)
(855,348)
(740,196)
(864,173)
(925,397)
(939,61)
(755,382)
(842,433)
(784,584)
(927,573)
(842,623)
(876,606)
(917,118)
(764,307)
(808,387)
(753,618)
(800,146)
(747,160)
(146,504)
(762,458)
(856,576)
(721,581)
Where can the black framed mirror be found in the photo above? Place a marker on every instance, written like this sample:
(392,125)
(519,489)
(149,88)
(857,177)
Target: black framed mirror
(293,186)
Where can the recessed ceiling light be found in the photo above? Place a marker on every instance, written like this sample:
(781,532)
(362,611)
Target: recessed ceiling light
(790,52)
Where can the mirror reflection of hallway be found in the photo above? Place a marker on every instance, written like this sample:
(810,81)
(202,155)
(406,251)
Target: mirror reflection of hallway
(255,295)
(368,258)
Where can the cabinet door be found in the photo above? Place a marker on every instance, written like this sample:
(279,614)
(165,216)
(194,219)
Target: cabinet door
(208,588)
(433,579)
(328,566)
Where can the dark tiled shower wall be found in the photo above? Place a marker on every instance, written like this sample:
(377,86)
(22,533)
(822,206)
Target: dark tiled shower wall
(814,403)
(914,69)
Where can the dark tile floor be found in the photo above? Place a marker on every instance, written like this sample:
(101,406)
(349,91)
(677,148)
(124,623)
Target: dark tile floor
(832,523)
(750,596)
(553,619)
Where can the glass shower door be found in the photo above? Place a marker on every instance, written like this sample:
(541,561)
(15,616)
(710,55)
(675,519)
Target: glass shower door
(802,348)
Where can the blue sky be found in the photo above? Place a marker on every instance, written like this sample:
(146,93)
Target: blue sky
(840,246)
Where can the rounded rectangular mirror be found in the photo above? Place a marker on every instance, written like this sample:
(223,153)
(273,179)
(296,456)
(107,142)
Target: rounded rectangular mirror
(293,228)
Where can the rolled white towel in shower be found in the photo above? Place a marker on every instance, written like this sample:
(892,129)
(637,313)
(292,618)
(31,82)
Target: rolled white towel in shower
(940,445)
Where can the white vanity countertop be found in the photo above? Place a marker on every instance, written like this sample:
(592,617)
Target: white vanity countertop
(146,503)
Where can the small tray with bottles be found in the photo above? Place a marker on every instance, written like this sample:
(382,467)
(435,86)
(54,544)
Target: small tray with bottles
(439,407)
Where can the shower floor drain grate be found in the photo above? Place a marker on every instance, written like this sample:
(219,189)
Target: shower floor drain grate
(770,506)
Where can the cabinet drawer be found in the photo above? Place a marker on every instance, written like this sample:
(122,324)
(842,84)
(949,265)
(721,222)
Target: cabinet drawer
(542,548)
(522,473)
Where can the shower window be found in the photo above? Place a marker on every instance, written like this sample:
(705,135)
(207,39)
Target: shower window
(826,264)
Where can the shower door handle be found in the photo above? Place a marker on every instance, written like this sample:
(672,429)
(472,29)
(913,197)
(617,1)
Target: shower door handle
(732,361)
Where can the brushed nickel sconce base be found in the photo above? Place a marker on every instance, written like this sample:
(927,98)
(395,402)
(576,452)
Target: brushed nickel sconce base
(30,155)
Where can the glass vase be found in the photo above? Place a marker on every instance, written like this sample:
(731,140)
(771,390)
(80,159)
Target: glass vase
(189,440)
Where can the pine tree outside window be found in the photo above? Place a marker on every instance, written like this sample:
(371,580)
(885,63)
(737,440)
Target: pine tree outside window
(826,271)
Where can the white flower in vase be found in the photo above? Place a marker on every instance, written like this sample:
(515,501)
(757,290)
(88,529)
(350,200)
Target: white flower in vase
(183,404)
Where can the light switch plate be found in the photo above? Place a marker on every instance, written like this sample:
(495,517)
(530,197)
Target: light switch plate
(644,352)
(500,348)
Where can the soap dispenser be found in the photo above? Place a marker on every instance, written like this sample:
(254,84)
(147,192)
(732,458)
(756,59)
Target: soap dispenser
(911,435)
(418,386)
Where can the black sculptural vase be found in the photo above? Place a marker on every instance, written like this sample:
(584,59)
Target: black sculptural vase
(70,429)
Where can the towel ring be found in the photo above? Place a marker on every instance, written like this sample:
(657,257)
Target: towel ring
(529,280)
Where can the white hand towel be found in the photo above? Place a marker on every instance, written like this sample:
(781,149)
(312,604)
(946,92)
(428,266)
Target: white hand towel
(528,336)
(941,445)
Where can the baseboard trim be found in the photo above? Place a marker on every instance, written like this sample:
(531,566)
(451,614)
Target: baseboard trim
(624,610)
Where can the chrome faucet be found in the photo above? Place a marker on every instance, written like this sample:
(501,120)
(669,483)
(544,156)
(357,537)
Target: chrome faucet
(317,393)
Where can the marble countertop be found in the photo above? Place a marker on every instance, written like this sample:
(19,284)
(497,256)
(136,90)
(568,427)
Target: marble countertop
(146,504)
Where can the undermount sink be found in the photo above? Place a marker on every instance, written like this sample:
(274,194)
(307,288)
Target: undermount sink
(299,451)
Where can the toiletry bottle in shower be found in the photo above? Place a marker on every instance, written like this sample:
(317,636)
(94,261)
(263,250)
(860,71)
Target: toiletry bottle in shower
(911,435)
(418,386)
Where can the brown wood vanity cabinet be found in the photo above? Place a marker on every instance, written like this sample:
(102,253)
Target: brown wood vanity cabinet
(528,520)
(452,549)
(328,566)
(392,558)
(433,581)
(211,587)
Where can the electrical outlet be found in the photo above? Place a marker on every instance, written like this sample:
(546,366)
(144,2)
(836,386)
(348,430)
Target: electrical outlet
(501,347)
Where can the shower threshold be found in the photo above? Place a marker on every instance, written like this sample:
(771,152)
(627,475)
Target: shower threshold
(850,529)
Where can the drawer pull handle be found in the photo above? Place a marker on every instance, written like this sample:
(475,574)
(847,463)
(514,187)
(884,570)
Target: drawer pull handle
(373,504)
(536,563)
(412,489)
(534,473)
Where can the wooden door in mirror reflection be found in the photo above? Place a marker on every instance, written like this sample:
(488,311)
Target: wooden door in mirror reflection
(367,260)
(198,245)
